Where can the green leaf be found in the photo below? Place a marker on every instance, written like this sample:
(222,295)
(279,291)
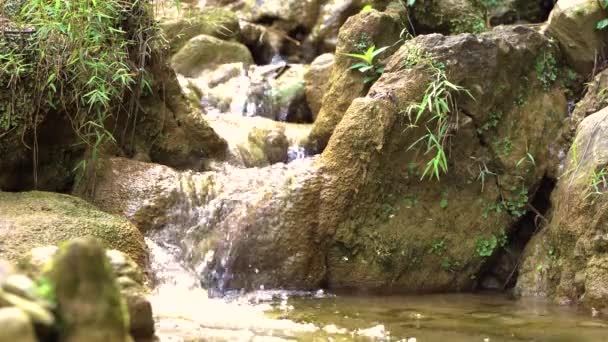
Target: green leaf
(411,3)
(444,203)
(357,66)
(602,24)
(366,8)
(379,51)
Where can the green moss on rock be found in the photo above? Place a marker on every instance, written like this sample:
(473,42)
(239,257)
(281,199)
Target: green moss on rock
(35,219)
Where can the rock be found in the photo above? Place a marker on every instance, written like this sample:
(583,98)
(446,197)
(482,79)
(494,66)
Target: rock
(358,34)
(20,285)
(138,191)
(373,199)
(130,280)
(332,15)
(317,81)
(508,12)
(574,269)
(6,270)
(448,16)
(211,21)
(204,51)
(88,298)
(16,326)
(289,95)
(36,312)
(34,262)
(288,15)
(573,24)
(263,42)
(34,219)
(264,147)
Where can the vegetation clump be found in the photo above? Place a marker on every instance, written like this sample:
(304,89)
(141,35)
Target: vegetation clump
(83,59)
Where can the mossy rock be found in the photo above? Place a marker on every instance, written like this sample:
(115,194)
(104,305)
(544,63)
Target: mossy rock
(34,219)
(360,32)
(448,16)
(567,261)
(204,51)
(573,24)
(212,21)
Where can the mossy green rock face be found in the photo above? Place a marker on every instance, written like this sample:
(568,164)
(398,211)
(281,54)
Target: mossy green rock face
(568,260)
(448,16)
(35,219)
(212,21)
(358,34)
(204,51)
(573,24)
(89,302)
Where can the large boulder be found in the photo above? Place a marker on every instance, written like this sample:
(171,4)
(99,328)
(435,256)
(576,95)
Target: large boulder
(398,231)
(358,34)
(89,302)
(317,81)
(568,261)
(204,51)
(35,219)
(573,24)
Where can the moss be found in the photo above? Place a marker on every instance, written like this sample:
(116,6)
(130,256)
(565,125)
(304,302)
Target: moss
(40,219)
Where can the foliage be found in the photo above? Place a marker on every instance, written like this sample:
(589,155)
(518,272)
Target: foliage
(439,103)
(602,24)
(366,8)
(45,289)
(487,247)
(492,122)
(84,59)
(598,182)
(546,70)
(367,66)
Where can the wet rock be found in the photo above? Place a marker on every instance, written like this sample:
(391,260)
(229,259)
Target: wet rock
(358,34)
(211,21)
(573,24)
(34,219)
(574,269)
(88,298)
(204,51)
(263,42)
(317,81)
(16,326)
(289,95)
(264,147)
